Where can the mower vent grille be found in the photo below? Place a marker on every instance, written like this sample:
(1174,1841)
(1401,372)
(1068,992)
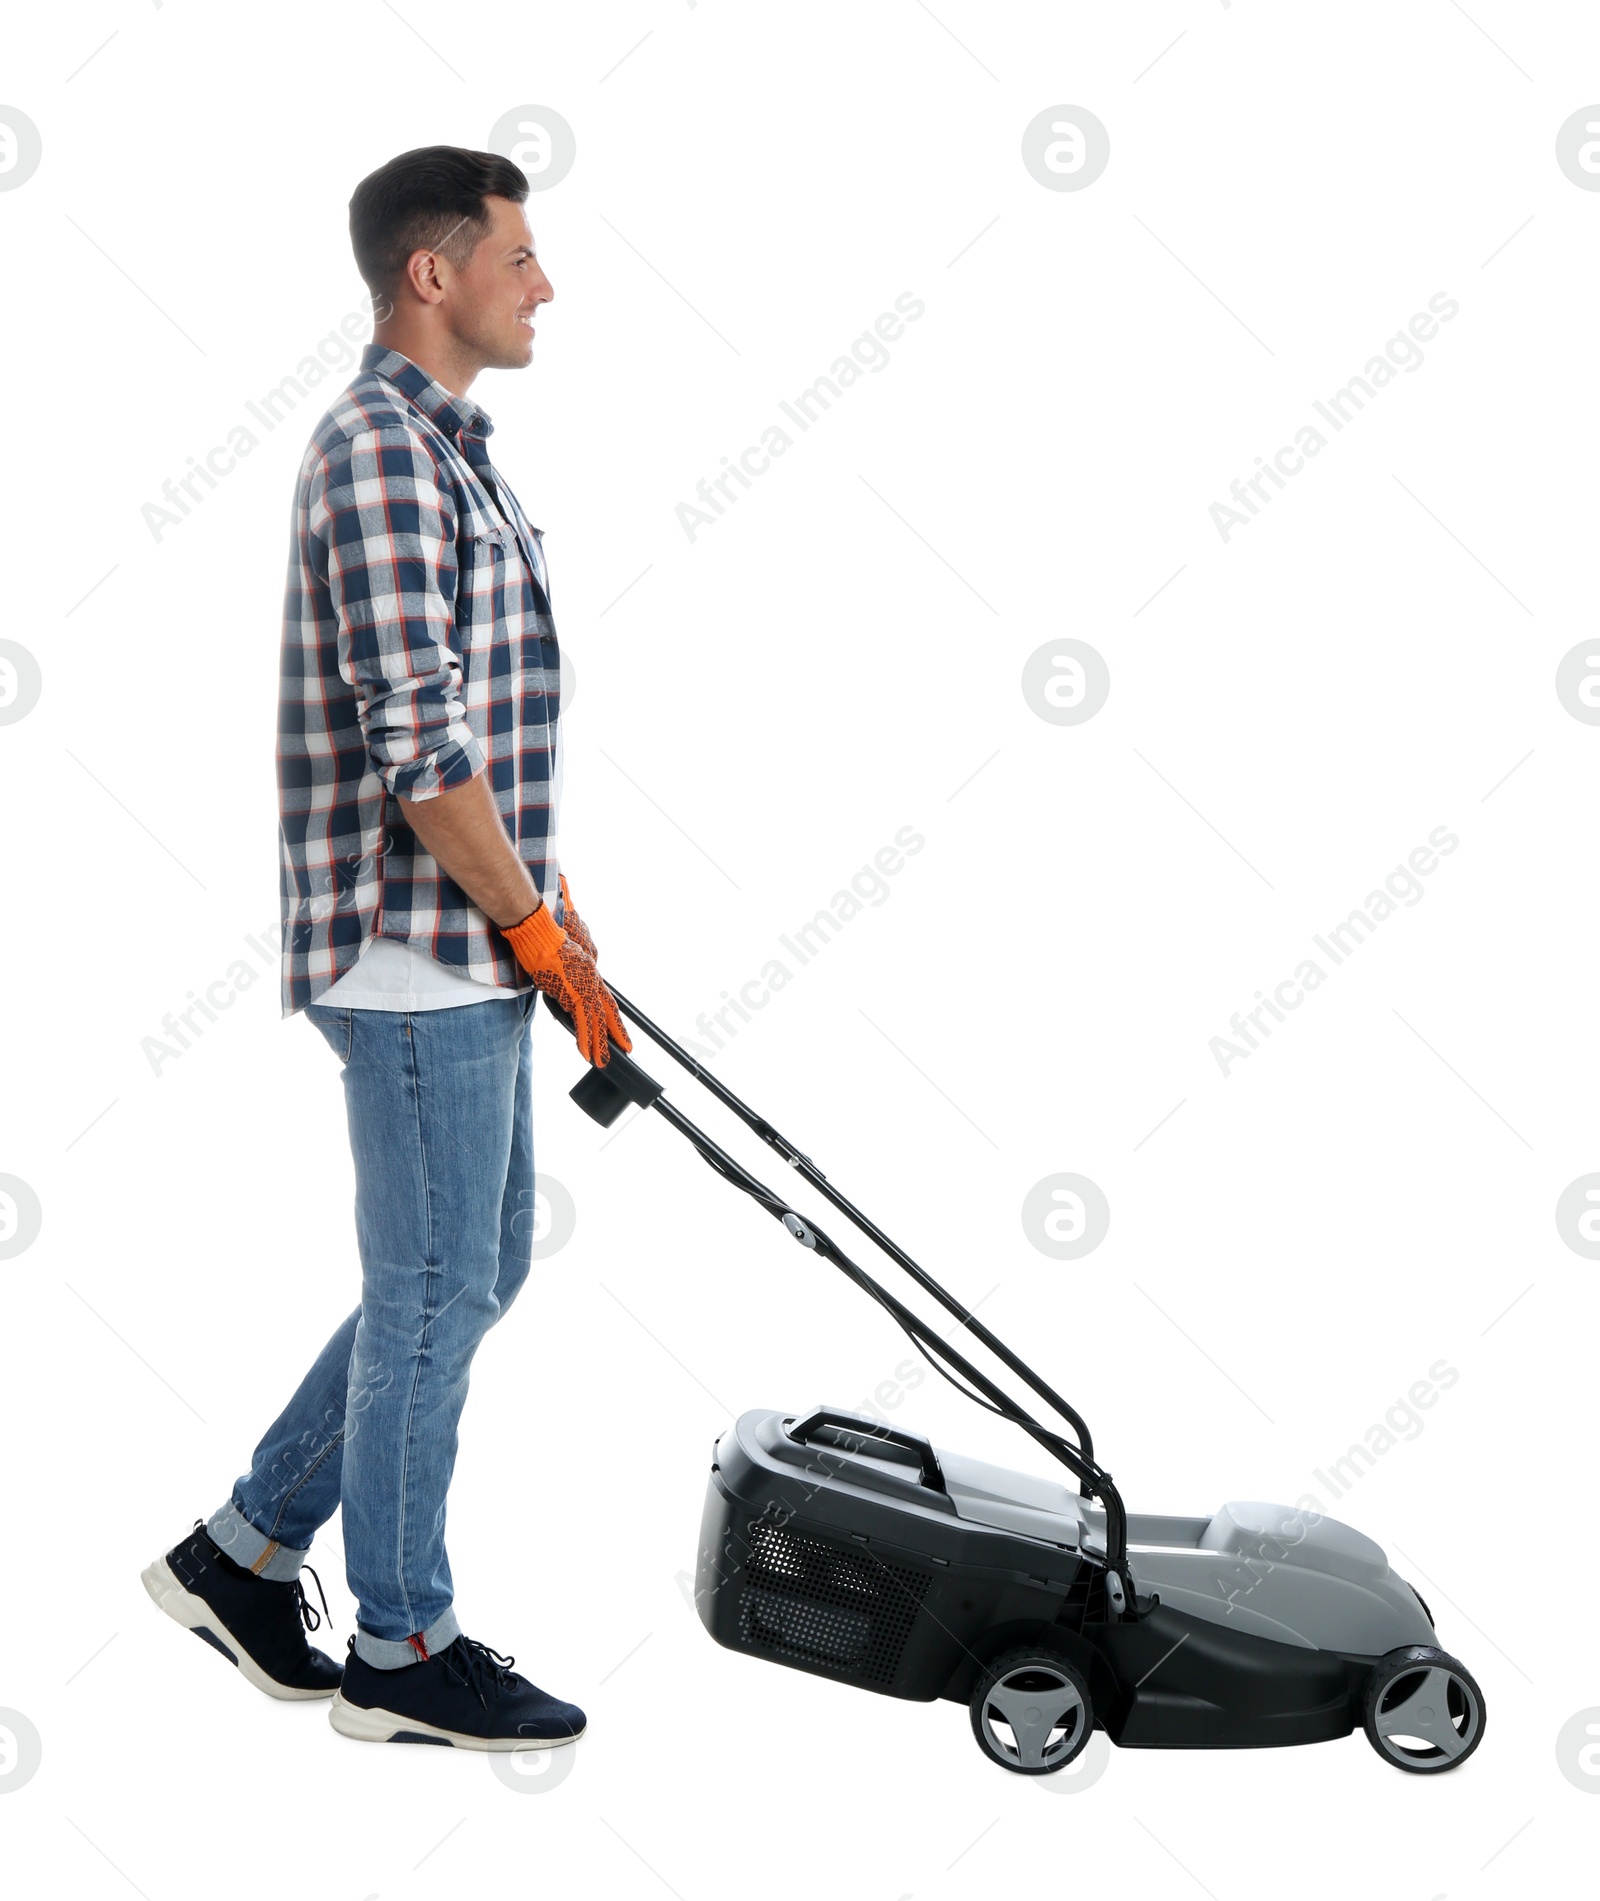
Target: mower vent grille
(825,1604)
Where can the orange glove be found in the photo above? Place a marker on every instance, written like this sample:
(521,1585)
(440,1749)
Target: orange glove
(574,925)
(578,931)
(564,970)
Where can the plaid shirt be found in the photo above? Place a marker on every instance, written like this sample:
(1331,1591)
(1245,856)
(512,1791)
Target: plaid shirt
(418,651)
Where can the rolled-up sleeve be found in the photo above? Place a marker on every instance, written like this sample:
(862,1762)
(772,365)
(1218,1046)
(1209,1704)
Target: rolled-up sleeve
(389,529)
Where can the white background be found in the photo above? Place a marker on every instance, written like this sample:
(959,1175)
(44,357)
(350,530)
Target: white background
(756,713)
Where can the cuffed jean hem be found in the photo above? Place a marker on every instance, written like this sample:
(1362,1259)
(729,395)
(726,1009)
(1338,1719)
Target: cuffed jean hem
(383,1654)
(260,1555)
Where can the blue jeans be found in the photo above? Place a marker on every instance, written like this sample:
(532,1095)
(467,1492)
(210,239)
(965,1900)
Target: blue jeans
(441,1131)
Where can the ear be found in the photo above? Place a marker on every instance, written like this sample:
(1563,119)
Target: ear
(423,277)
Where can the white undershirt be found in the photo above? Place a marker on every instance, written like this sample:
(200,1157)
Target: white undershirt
(391,975)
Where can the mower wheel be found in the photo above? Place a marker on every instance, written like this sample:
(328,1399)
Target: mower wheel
(1424,1713)
(1031,1712)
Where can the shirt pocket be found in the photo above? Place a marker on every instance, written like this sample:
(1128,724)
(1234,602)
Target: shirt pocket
(482,557)
(489,540)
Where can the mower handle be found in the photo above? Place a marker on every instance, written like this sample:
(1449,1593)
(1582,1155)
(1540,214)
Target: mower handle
(602,1097)
(605,1092)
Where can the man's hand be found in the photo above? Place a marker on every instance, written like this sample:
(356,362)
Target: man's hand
(462,830)
(564,970)
(578,932)
(574,925)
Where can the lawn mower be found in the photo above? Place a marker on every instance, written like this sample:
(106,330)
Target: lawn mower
(836,1543)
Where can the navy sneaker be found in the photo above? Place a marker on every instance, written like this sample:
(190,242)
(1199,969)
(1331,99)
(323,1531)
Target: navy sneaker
(465,1696)
(258,1624)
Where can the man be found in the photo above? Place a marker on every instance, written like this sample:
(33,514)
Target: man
(419,773)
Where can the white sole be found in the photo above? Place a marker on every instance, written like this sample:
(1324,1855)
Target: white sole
(168,1594)
(383,1726)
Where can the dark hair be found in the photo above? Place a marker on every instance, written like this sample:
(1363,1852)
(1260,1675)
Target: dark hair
(429,199)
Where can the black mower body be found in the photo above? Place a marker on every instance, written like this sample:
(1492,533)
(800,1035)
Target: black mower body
(865,1560)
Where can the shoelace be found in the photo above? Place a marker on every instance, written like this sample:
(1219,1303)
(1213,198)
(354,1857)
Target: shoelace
(308,1616)
(478,1667)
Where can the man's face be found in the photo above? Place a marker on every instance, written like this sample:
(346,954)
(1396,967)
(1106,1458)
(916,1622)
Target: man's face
(493,301)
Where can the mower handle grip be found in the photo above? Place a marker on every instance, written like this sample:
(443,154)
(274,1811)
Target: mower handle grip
(865,1427)
(604,1091)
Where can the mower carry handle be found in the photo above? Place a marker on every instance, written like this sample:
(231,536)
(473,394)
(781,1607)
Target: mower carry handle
(865,1428)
